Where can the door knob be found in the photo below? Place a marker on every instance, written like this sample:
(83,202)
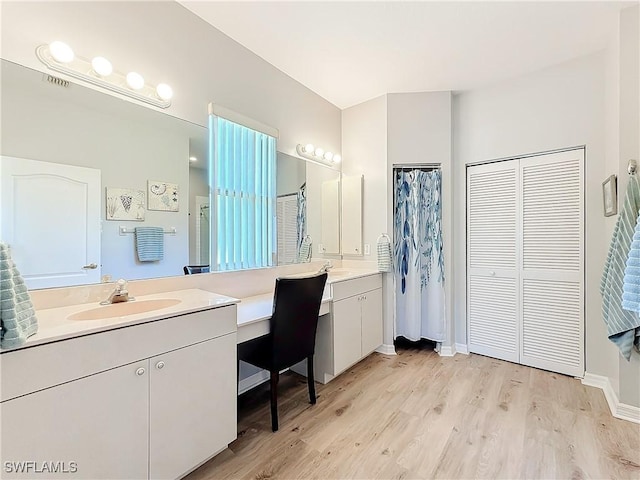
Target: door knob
(91,266)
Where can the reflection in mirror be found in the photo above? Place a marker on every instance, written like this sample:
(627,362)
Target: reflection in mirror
(62,124)
(132,148)
(303,210)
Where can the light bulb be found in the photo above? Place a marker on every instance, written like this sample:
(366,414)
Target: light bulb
(319,152)
(193,159)
(337,158)
(308,148)
(135,80)
(61,52)
(164,91)
(328,156)
(102,66)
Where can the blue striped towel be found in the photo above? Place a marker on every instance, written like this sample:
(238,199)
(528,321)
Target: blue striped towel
(150,243)
(304,253)
(631,287)
(621,323)
(17,317)
(384,253)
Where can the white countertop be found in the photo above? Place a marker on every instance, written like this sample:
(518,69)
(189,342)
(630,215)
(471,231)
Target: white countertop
(54,324)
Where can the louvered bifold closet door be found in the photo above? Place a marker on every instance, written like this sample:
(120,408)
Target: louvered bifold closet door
(492,260)
(552,274)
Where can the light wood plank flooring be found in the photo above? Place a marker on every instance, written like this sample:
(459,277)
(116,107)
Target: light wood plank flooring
(418,415)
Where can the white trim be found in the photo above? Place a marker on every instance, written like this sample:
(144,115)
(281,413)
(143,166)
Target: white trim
(253,381)
(618,410)
(462,348)
(235,117)
(386,349)
(445,350)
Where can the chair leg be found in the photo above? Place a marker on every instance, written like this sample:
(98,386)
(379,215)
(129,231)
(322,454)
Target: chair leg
(311,381)
(275,376)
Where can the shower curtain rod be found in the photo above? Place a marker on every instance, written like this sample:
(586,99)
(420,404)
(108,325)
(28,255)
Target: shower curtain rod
(416,165)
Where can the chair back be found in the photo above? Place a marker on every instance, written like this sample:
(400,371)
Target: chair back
(190,269)
(296,306)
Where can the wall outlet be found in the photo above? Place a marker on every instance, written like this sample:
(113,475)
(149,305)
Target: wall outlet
(320,248)
(367,249)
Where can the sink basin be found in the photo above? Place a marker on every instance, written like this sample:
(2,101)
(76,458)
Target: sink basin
(125,308)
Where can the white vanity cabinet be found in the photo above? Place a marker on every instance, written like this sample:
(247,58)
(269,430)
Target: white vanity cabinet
(153,400)
(354,328)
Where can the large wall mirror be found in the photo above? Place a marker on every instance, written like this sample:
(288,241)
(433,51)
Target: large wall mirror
(131,149)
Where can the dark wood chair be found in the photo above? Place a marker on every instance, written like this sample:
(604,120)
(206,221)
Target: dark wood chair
(191,269)
(292,334)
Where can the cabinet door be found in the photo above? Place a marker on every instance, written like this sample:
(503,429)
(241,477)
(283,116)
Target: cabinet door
(371,321)
(100,423)
(347,333)
(192,405)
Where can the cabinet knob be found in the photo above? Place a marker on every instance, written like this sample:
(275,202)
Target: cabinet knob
(140,371)
(493,274)
(160,365)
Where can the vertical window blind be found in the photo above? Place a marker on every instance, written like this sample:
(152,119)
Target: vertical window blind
(244,180)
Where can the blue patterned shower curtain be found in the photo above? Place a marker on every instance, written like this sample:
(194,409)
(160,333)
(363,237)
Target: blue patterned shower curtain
(419,258)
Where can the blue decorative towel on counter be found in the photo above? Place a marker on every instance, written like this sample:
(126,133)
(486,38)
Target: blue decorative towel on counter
(17,317)
(621,323)
(150,243)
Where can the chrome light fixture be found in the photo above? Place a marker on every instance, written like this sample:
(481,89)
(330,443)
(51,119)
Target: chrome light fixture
(317,154)
(59,56)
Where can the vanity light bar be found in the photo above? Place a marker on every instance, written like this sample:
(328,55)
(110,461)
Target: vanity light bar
(59,57)
(317,154)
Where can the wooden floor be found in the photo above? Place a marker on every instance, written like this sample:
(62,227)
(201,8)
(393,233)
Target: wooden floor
(418,415)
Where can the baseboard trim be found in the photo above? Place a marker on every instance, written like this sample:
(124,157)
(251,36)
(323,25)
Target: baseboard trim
(253,381)
(446,350)
(618,410)
(462,348)
(386,349)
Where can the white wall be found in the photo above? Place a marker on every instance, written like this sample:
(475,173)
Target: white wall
(629,147)
(364,152)
(167,43)
(558,107)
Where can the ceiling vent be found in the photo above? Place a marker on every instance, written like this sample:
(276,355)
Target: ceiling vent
(55,81)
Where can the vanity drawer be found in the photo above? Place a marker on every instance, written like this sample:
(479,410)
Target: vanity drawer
(355,286)
(43,366)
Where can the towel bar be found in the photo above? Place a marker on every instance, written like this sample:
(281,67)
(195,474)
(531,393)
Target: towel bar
(124,230)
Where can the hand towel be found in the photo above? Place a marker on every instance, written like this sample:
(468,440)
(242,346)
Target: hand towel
(631,289)
(384,253)
(150,243)
(621,324)
(17,316)
(304,254)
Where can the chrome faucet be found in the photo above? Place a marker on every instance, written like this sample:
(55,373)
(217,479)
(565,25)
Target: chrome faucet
(119,294)
(326,267)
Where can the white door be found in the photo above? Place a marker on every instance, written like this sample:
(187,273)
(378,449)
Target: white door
(527,215)
(100,422)
(187,428)
(51,221)
(492,260)
(552,272)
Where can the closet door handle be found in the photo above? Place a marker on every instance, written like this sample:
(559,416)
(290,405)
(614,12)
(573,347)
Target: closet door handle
(91,266)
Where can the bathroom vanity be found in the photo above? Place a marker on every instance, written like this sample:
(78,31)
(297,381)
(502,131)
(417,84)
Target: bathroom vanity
(142,397)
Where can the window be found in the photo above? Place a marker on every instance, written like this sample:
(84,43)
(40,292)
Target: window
(244,196)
